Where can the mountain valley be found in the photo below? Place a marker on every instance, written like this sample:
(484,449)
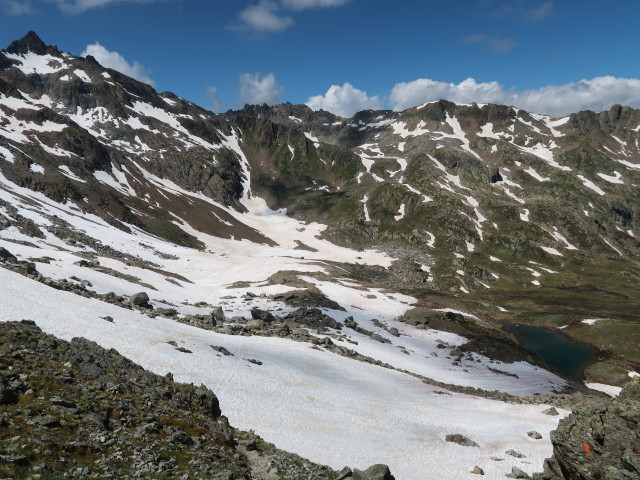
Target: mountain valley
(345,286)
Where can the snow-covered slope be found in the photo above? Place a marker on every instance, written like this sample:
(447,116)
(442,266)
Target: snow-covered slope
(325,407)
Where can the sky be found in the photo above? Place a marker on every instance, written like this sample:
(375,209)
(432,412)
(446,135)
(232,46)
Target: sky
(545,56)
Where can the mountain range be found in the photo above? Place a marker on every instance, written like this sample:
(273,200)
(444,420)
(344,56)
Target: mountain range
(326,275)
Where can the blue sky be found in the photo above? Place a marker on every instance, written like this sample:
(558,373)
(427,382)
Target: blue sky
(344,55)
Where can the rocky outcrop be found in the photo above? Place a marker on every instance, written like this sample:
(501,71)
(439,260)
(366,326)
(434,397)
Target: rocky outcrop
(76,410)
(598,442)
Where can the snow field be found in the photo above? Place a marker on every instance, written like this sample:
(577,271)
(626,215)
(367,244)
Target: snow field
(319,405)
(423,344)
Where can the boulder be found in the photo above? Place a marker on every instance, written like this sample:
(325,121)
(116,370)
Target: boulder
(374,472)
(140,299)
(218,315)
(7,395)
(258,314)
(477,470)
(7,256)
(256,324)
(461,440)
(517,473)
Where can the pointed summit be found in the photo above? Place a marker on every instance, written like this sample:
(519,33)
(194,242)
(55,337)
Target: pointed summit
(31,42)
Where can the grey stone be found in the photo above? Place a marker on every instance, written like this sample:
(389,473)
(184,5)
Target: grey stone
(258,314)
(256,324)
(516,454)
(218,315)
(7,395)
(374,472)
(461,440)
(517,473)
(140,299)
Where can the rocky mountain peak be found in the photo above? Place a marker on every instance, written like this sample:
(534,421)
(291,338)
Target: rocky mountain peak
(31,42)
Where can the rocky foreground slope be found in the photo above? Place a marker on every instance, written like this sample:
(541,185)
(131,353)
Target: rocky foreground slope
(599,441)
(76,410)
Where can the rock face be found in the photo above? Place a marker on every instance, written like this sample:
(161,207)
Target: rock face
(76,410)
(598,442)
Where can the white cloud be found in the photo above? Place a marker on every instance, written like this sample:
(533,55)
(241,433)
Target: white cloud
(265,17)
(79,6)
(344,101)
(255,89)
(596,94)
(305,4)
(16,7)
(117,62)
(409,94)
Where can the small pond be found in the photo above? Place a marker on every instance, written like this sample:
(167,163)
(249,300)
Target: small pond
(555,348)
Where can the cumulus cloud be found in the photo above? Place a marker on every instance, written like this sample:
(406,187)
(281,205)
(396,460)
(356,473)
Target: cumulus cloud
(265,17)
(116,61)
(409,94)
(79,6)
(255,89)
(344,101)
(15,7)
(305,4)
(596,94)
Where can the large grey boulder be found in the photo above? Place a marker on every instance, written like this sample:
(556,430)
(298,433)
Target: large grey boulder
(140,299)
(374,472)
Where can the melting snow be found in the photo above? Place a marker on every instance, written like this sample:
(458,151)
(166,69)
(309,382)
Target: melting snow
(591,321)
(364,200)
(33,63)
(552,251)
(7,154)
(82,75)
(536,175)
(608,243)
(589,184)
(432,239)
(558,236)
(610,390)
(611,179)
(34,167)
(68,173)
(400,214)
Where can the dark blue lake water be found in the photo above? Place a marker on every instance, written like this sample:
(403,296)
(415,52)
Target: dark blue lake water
(555,348)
